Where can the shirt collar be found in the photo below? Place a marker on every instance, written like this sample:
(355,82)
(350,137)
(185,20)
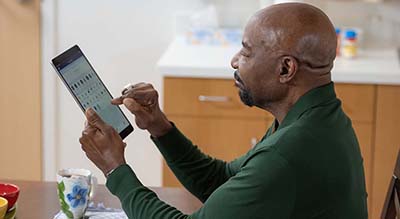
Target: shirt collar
(312,98)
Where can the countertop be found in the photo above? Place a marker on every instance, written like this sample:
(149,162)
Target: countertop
(208,61)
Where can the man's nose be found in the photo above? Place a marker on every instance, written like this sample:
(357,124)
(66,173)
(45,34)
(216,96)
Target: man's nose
(235,61)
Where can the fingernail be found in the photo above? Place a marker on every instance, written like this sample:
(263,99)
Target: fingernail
(91,112)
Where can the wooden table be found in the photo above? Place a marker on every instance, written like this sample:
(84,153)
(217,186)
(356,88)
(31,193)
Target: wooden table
(39,200)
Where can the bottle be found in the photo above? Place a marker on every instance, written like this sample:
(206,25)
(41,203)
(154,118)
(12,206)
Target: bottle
(349,49)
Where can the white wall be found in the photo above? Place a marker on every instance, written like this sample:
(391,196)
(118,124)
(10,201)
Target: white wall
(123,39)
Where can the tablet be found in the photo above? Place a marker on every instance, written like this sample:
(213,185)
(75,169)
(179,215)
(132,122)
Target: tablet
(88,90)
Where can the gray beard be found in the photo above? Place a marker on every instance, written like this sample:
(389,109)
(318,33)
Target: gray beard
(246,97)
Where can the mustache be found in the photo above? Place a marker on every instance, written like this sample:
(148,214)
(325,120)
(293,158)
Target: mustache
(236,75)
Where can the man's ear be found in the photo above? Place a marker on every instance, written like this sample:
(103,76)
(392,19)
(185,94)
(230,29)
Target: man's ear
(288,69)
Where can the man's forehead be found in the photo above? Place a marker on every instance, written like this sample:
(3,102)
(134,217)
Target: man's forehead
(251,34)
(258,33)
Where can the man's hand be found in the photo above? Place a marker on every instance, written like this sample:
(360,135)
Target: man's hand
(101,143)
(142,100)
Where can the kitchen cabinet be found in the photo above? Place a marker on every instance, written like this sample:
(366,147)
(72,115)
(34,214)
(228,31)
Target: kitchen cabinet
(210,113)
(376,121)
(358,102)
(387,144)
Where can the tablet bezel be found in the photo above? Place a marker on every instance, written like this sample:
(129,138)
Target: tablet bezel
(68,57)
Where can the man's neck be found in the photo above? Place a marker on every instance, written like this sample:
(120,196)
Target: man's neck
(279,111)
(281,108)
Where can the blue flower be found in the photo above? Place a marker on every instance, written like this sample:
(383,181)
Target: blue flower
(78,196)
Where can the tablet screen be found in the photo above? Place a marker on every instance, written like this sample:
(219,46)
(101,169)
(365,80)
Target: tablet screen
(88,89)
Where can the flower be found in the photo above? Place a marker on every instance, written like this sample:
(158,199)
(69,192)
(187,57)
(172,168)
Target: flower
(78,196)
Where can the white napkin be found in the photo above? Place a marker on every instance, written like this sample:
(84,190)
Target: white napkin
(106,215)
(98,212)
(97,215)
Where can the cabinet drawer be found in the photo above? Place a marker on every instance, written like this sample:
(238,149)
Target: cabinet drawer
(206,97)
(357,101)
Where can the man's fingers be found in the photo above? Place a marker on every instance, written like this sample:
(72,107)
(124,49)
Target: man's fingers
(131,105)
(130,87)
(136,87)
(142,93)
(144,96)
(94,119)
(134,107)
(85,142)
(88,143)
(118,100)
(89,130)
(140,85)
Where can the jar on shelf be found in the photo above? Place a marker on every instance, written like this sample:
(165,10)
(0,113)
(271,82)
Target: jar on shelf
(349,44)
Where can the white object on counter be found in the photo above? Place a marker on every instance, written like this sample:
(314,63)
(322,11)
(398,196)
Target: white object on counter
(369,67)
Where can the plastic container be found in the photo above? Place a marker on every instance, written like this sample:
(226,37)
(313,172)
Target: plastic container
(349,44)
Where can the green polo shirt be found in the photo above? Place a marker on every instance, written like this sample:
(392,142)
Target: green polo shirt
(309,167)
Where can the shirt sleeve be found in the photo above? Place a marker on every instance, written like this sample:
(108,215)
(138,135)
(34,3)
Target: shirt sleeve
(264,188)
(138,201)
(199,174)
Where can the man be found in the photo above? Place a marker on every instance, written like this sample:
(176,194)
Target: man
(308,165)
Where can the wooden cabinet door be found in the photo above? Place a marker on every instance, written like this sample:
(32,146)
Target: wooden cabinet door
(222,138)
(20,131)
(358,102)
(365,133)
(387,144)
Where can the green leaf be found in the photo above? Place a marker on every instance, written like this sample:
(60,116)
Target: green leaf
(66,211)
(60,194)
(64,205)
(61,186)
(64,208)
(69,214)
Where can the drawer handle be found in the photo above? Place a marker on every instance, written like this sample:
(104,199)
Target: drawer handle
(203,98)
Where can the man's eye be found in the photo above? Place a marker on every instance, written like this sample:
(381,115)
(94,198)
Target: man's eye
(244,53)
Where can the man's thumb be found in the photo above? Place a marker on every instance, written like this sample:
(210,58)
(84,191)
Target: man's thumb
(94,119)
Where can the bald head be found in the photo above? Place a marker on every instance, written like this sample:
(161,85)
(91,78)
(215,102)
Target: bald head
(300,30)
(288,49)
